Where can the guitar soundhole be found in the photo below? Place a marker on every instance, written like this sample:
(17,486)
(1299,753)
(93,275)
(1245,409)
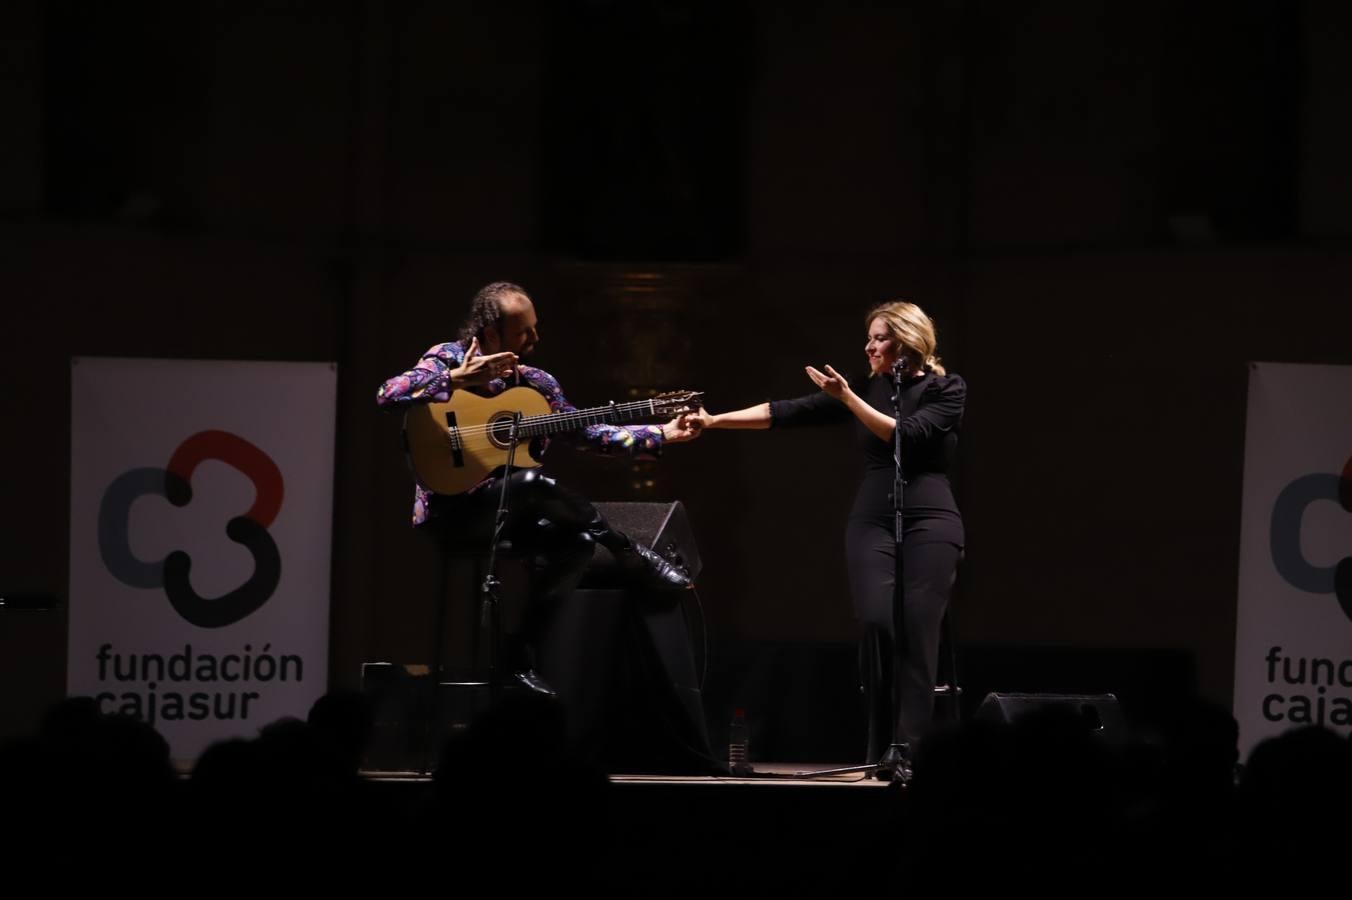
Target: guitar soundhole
(500,430)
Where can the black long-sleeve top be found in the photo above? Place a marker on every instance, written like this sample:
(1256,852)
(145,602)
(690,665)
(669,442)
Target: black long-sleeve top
(932,408)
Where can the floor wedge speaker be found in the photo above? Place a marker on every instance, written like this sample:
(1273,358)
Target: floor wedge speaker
(662,526)
(1100,713)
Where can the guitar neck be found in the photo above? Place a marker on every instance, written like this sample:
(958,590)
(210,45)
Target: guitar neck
(610,414)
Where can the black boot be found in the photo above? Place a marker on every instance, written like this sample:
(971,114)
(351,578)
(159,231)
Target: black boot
(895,765)
(520,661)
(529,679)
(647,568)
(651,570)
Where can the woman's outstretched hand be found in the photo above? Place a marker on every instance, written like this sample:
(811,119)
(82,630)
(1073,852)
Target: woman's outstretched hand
(831,381)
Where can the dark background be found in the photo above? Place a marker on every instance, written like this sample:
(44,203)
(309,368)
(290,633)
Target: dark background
(1109,208)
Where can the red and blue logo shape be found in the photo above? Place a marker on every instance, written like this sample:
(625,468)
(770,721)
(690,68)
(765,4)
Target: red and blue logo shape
(1287,555)
(174,483)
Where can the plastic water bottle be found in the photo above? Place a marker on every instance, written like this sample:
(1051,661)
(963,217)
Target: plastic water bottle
(739,740)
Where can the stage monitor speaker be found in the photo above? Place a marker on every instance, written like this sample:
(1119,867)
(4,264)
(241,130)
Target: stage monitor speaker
(408,732)
(627,679)
(662,526)
(1101,713)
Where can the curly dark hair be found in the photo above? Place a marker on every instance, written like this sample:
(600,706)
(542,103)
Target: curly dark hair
(486,309)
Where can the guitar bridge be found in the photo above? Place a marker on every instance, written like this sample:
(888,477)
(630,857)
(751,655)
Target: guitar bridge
(457,451)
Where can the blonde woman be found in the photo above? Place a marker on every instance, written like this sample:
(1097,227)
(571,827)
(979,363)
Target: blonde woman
(901,350)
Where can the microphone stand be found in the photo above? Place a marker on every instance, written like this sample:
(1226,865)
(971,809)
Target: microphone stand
(490,609)
(490,604)
(893,765)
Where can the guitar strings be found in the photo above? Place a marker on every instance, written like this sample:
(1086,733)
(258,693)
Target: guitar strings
(503,426)
(563,420)
(633,406)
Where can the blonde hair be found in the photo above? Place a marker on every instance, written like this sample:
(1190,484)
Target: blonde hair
(912,330)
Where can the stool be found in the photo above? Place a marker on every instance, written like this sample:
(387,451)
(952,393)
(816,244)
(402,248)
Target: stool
(947,687)
(483,609)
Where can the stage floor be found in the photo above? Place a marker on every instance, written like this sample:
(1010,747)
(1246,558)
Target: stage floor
(765,775)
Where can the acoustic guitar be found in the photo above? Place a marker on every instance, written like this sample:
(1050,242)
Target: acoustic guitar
(452,446)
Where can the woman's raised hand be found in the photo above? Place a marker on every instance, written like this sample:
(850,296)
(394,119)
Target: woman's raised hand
(830,381)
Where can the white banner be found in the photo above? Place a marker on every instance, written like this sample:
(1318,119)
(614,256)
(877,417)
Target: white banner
(1293,639)
(200,517)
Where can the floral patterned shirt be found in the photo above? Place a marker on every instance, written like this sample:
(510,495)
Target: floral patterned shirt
(429,381)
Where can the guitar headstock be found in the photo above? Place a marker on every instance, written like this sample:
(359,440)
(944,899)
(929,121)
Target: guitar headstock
(674,403)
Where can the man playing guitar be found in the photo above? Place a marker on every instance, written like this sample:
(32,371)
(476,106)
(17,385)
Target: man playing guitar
(555,525)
